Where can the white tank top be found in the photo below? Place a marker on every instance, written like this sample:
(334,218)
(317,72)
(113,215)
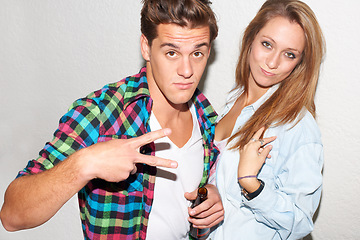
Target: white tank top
(169,214)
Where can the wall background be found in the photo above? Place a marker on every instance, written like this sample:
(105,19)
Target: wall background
(53,52)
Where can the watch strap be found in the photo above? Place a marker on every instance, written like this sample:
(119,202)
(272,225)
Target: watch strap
(250,196)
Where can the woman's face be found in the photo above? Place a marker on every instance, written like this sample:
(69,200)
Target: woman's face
(275,52)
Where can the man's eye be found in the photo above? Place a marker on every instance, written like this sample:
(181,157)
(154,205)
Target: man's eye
(198,54)
(171,54)
(266,44)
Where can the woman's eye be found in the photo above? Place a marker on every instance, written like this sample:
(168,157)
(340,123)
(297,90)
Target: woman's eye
(290,55)
(266,44)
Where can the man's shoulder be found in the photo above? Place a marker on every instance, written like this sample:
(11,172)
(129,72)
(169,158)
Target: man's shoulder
(131,85)
(204,108)
(114,96)
(121,90)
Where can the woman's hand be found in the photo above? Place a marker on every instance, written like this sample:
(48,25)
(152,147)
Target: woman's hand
(252,157)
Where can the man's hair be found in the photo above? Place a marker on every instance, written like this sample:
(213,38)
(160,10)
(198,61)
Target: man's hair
(189,13)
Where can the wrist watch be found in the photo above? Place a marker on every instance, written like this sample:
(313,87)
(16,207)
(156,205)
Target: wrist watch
(252,195)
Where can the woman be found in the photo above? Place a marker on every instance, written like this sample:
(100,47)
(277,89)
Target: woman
(272,191)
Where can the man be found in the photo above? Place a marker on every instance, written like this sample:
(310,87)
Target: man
(102,146)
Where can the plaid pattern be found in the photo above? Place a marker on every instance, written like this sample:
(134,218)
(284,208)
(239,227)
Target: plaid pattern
(119,110)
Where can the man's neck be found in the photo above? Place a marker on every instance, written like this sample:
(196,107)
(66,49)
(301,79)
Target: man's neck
(177,118)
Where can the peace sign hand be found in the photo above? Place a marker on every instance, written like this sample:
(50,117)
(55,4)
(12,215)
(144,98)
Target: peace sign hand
(115,160)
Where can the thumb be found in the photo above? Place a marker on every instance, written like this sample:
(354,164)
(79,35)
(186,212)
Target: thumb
(191,195)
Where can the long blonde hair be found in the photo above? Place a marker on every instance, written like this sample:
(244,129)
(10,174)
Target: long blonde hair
(298,89)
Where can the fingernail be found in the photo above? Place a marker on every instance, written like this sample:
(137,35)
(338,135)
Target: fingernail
(174,164)
(167,131)
(192,212)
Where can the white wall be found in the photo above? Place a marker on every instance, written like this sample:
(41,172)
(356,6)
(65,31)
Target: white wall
(53,52)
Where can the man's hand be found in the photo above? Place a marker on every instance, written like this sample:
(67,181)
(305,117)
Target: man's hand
(116,159)
(29,202)
(210,212)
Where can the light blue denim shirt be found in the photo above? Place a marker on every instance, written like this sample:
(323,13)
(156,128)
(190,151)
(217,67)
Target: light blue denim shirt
(292,177)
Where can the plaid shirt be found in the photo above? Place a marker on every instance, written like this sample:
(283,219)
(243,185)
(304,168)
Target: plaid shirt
(119,110)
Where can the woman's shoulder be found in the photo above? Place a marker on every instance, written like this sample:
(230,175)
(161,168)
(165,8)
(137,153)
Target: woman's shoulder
(307,126)
(303,130)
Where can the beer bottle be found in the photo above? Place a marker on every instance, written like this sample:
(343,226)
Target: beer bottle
(195,232)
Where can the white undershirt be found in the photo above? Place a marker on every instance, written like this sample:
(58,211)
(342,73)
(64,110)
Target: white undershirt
(169,214)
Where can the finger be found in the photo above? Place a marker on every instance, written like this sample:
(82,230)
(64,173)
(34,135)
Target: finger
(203,211)
(268,156)
(151,137)
(268,140)
(258,133)
(134,170)
(204,223)
(260,150)
(191,195)
(156,161)
(265,152)
(207,222)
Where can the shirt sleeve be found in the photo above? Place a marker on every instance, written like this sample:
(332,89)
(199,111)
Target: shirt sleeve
(290,199)
(78,128)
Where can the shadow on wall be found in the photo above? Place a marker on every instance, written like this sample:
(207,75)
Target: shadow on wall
(308,237)
(211,59)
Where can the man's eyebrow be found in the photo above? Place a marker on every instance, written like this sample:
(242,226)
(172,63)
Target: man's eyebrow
(177,47)
(202,44)
(169,45)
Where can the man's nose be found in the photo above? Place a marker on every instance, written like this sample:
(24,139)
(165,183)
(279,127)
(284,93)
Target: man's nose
(185,68)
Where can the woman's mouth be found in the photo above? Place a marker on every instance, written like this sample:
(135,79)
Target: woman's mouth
(269,74)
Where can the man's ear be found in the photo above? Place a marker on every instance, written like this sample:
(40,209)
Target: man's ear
(145,48)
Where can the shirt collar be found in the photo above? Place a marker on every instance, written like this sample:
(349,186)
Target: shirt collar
(206,113)
(264,97)
(136,87)
(234,94)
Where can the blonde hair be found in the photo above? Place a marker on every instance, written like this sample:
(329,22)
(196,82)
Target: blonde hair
(298,89)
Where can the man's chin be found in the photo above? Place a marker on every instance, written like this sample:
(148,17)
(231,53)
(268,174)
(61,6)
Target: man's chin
(180,102)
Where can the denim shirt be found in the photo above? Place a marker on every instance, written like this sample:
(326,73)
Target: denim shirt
(292,177)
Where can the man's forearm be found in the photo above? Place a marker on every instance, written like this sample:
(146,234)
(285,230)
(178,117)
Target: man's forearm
(32,200)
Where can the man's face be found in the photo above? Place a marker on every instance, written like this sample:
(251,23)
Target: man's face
(176,61)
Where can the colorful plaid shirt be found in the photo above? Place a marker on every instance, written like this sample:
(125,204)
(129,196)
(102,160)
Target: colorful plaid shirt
(120,110)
